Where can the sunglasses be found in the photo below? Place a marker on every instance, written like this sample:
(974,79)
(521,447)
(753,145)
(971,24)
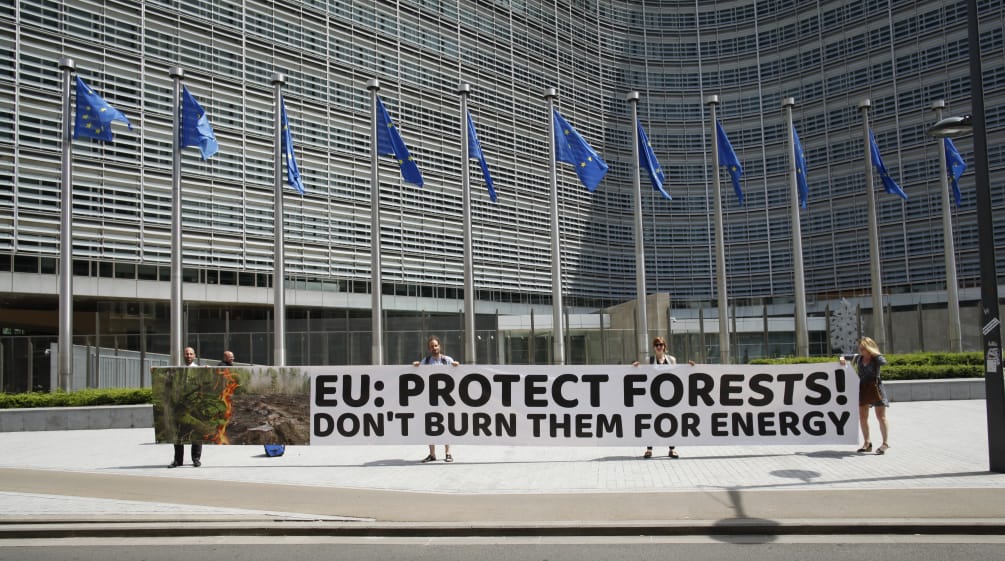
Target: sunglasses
(659,345)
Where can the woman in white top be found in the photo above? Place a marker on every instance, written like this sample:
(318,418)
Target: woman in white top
(659,356)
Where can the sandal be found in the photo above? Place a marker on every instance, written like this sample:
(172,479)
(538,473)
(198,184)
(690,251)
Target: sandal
(882,449)
(673,453)
(429,458)
(648,454)
(448,458)
(866,448)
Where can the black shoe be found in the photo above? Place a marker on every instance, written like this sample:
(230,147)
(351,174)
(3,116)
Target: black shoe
(174,464)
(196,463)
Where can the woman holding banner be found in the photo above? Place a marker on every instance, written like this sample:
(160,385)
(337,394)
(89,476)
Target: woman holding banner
(871,392)
(435,356)
(659,356)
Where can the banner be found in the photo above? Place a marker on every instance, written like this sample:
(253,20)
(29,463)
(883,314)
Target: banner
(231,405)
(509,405)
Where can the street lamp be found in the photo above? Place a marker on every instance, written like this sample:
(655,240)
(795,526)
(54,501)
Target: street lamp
(990,324)
(952,126)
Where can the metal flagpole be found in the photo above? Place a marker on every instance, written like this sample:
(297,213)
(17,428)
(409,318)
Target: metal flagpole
(720,250)
(279,259)
(990,322)
(558,333)
(469,282)
(177,318)
(65,343)
(642,317)
(878,324)
(948,244)
(376,281)
(802,337)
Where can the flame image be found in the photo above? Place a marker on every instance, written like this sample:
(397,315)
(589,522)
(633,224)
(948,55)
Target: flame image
(228,390)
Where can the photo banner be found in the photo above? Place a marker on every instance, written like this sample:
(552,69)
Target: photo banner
(513,405)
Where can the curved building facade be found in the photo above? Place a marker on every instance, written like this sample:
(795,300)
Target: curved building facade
(827,55)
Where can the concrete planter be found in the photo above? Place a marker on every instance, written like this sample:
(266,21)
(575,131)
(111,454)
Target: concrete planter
(935,390)
(71,418)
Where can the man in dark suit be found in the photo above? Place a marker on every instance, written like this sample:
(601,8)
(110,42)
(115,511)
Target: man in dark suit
(179,449)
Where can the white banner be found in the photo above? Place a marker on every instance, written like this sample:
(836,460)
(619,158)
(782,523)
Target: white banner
(584,405)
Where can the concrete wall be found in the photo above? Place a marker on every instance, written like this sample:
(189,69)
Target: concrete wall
(77,418)
(935,390)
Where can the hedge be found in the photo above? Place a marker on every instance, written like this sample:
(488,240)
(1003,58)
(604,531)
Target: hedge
(82,398)
(910,366)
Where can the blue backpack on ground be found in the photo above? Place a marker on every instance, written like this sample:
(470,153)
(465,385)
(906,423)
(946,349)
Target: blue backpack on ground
(273,450)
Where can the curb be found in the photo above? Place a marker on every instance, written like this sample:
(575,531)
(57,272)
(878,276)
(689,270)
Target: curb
(741,526)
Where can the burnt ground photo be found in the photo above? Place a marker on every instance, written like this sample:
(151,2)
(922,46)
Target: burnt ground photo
(269,419)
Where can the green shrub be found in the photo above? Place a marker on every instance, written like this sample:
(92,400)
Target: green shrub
(82,398)
(910,366)
(930,371)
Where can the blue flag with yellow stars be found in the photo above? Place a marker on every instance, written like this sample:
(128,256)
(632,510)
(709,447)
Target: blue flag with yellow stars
(800,156)
(647,159)
(292,170)
(195,127)
(888,183)
(390,143)
(572,149)
(727,157)
(94,115)
(475,152)
(956,167)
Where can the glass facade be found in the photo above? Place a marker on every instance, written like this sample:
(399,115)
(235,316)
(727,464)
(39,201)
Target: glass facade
(827,54)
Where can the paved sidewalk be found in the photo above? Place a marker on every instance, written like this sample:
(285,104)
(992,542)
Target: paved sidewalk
(936,471)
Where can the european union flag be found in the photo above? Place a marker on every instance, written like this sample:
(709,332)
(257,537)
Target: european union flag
(956,167)
(572,149)
(888,183)
(800,156)
(94,115)
(727,157)
(389,143)
(475,152)
(647,159)
(195,127)
(292,170)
